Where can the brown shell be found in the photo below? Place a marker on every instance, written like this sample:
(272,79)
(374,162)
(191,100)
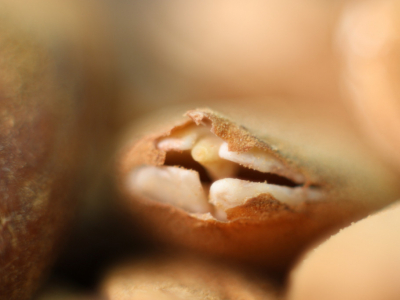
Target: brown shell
(47,95)
(264,231)
(184,278)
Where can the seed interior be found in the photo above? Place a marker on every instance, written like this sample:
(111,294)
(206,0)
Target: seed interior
(227,179)
(184,159)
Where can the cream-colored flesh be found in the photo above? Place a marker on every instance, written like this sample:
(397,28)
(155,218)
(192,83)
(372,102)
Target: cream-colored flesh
(183,188)
(230,192)
(183,139)
(177,186)
(206,152)
(257,159)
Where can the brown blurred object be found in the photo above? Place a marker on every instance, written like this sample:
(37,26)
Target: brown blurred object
(360,262)
(184,278)
(262,231)
(369,39)
(56,119)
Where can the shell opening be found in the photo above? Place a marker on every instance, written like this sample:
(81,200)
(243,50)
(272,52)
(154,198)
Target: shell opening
(201,176)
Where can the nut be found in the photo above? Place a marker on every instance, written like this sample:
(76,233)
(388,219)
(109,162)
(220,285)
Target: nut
(47,99)
(265,206)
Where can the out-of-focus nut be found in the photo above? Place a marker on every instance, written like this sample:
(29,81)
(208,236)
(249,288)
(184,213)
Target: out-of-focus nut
(183,278)
(369,40)
(53,96)
(360,262)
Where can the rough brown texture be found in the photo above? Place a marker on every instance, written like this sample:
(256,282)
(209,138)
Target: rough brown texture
(263,231)
(48,93)
(184,278)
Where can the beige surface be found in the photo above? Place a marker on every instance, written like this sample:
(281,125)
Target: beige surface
(368,37)
(360,262)
(183,278)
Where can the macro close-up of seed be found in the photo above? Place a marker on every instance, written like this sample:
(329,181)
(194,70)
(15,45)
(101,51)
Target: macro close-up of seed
(241,196)
(205,150)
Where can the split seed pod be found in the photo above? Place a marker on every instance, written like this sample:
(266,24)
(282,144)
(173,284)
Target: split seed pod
(52,95)
(183,278)
(209,184)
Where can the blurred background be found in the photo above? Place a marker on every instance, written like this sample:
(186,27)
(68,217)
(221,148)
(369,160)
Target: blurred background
(332,64)
(177,51)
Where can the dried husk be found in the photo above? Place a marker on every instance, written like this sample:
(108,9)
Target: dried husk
(184,278)
(264,231)
(53,92)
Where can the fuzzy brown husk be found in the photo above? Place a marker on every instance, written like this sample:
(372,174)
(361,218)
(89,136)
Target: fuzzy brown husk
(264,231)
